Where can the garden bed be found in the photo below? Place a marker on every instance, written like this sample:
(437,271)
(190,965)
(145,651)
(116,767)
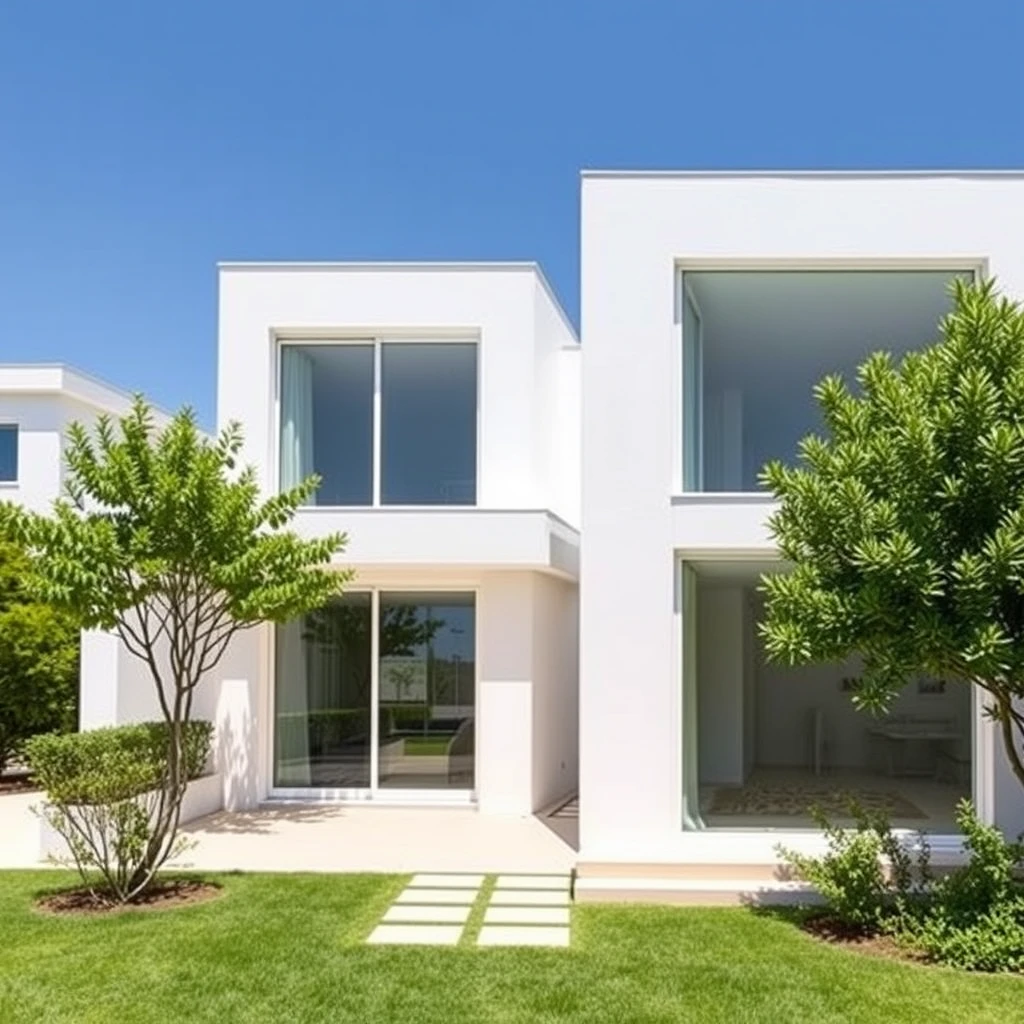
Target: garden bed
(163,895)
(837,933)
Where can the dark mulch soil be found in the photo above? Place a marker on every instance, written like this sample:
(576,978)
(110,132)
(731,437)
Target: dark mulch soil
(838,933)
(17,784)
(164,895)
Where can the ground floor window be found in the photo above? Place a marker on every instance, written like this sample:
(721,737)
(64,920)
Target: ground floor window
(764,744)
(377,690)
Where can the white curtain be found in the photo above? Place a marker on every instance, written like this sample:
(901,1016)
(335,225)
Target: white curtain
(296,418)
(293,706)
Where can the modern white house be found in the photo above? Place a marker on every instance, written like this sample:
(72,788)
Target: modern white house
(711,304)
(557,546)
(439,405)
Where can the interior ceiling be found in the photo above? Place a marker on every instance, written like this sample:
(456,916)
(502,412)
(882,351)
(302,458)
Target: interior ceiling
(814,320)
(745,573)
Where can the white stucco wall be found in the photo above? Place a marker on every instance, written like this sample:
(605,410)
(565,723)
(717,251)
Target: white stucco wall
(507,307)
(555,726)
(636,232)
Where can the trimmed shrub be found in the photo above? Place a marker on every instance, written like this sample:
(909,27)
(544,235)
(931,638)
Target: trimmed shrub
(973,918)
(849,877)
(104,792)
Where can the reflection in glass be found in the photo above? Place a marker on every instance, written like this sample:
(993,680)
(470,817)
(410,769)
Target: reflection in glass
(427,691)
(322,688)
(428,424)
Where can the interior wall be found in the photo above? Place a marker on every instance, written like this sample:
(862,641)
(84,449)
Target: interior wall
(749,685)
(787,696)
(720,685)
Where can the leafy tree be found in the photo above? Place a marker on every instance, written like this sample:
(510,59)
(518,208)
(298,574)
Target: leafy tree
(164,541)
(904,523)
(38,660)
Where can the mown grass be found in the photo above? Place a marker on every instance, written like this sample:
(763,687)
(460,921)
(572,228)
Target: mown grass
(289,948)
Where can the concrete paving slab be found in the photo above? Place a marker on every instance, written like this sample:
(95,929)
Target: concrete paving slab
(434,897)
(529,898)
(526,915)
(522,935)
(415,914)
(447,881)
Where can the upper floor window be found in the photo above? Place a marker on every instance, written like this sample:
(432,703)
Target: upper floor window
(382,423)
(755,343)
(8,452)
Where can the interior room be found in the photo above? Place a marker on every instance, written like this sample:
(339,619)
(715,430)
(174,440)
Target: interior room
(775,742)
(755,343)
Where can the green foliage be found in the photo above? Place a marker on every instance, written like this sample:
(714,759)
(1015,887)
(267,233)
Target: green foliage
(162,539)
(990,941)
(905,521)
(105,797)
(988,879)
(972,918)
(38,660)
(104,765)
(866,872)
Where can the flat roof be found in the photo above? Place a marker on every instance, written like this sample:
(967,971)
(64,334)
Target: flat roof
(808,173)
(424,266)
(62,379)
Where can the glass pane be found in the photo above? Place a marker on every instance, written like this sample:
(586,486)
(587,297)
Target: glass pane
(8,452)
(327,420)
(766,338)
(427,691)
(428,429)
(322,697)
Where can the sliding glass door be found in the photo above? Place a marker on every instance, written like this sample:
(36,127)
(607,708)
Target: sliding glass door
(323,697)
(406,721)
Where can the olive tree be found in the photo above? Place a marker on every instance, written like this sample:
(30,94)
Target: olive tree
(904,520)
(164,540)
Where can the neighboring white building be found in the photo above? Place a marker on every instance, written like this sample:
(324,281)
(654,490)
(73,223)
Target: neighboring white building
(38,402)
(711,303)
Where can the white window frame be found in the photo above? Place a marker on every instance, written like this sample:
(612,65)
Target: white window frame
(375,793)
(378,341)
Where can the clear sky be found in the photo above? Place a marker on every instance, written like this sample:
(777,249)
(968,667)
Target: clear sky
(141,142)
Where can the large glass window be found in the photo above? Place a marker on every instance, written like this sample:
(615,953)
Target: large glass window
(323,690)
(755,343)
(428,424)
(8,452)
(422,443)
(326,712)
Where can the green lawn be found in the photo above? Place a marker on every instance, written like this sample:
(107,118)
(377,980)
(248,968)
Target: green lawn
(422,746)
(288,949)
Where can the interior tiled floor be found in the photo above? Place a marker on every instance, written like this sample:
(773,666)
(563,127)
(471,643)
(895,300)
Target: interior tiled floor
(932,801)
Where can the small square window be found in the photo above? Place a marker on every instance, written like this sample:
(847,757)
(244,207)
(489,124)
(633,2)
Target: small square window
(8,452)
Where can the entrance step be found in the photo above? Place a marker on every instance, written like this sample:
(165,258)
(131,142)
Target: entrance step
(708,885)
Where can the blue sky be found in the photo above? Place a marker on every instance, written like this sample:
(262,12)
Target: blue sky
(140,143)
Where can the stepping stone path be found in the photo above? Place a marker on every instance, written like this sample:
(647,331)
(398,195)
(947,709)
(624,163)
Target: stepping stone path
(519,910)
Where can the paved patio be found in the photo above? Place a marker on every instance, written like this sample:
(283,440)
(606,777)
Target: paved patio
(329,837)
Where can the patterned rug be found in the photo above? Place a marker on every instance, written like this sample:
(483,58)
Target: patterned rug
(795,801)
